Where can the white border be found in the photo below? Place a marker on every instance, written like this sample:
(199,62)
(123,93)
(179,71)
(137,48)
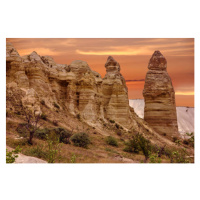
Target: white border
(75,19)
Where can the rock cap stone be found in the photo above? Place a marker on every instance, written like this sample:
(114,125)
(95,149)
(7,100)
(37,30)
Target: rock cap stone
(157,62)
(112,65)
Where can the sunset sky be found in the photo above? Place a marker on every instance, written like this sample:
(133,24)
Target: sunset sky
(133,55)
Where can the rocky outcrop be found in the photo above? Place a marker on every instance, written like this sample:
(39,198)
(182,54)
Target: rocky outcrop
(115,94)
(159,95)
(74,88)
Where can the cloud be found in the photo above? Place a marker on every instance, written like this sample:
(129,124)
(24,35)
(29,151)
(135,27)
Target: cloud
(184,93)
(40,51)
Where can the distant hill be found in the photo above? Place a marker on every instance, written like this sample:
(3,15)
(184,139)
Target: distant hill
(185,115)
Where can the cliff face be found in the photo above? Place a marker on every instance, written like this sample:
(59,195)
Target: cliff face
(160,107)
(74,88)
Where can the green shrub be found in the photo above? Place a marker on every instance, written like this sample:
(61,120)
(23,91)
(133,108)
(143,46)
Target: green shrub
(55,122)
(154,158)
(78,116)
(119,133)
(12,155)
(111,141)
(56,105)
(54,148)
(63,135)
(179,156)
(42,102)
(174,138)
(80,140)
(22,130)
(145,146)
(185,141)
(132,146)
(117,126)
(112,121)
(191,139)
(37,151)
(42,133)
(43,116)
(73,158)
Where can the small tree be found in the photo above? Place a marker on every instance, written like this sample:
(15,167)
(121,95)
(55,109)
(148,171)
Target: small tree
(32,122)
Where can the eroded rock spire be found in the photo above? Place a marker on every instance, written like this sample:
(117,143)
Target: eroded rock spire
(159,96)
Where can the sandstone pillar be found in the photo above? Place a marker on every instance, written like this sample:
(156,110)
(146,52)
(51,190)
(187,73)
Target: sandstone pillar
(159,96)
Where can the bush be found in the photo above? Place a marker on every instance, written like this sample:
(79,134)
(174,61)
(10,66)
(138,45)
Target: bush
(185,141)
(179,156)
(111,141)
(154,158)
(42,133)
(174,139)
(54,148)
(12,155)
(145,146)
(55,122)
(37,151)
(112,121)
(132,146)
(56,105)
(80,140)
(63,135)
(191,139)
(78,116)
(22,130)
(42,102)
(43,116)
(117,126)
(119,133)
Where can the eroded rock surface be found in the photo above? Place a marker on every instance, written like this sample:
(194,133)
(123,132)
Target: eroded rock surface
(74,88)
(159,95)
(115,94)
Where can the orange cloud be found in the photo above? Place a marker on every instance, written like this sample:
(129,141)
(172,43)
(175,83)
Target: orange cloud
(184,93)
(40,51)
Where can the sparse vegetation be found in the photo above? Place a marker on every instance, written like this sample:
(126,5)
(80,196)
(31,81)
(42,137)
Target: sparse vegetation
(73,158)
(63,135)
(36,151)
(80,139)
(112,121)
(154,158)
(55,122)
(56,105)
(54,149)
(179,156)
(42,133)
(111,141)
(119,133)
(132,145)
(12,155)
(42,102)
(78,116)
(191,138)
(43,116)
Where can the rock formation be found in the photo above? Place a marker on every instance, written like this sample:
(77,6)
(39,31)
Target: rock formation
(115,94)
(160,107)
(74,88)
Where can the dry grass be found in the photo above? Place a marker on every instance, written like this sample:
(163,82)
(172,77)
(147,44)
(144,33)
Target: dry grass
(97,152)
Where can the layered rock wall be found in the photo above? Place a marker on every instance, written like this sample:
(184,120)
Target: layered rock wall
(159,96)
(74,88)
